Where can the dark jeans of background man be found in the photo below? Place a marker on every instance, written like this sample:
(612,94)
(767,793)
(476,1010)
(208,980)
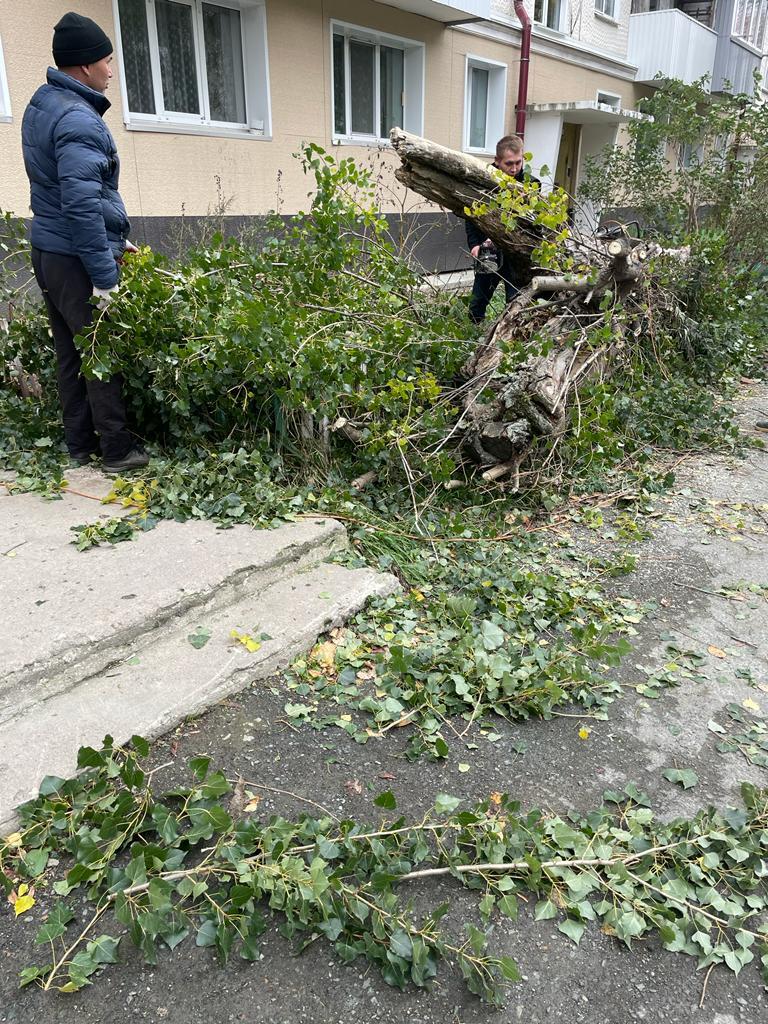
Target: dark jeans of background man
(484,287)
(90,407)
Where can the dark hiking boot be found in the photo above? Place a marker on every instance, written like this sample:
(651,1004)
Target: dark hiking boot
(136,458)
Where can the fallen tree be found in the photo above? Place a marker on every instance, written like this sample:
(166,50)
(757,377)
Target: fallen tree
(554,320)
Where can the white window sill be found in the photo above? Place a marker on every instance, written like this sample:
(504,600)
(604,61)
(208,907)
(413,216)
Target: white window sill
(362,140)
(480,152)
(552,33)
(607,18)
(178,128)
(6,119)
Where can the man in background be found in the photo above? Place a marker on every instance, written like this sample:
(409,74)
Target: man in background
(509,159)
(79,231)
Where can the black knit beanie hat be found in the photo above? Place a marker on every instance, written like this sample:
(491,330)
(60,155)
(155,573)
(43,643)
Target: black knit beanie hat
(77,40)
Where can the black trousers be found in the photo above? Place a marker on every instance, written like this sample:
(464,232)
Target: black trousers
(94,413)
(485,285)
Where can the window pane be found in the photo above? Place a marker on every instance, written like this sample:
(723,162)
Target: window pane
(538,11)
(138,70)
(339,87)
(223,39)
(177,57)
(478,107)
(553,14)
(392,85)
(361,73)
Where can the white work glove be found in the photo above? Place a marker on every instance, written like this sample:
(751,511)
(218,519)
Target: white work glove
(104,295)
(130,247)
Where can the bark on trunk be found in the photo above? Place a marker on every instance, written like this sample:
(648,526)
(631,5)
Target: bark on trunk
(504,412)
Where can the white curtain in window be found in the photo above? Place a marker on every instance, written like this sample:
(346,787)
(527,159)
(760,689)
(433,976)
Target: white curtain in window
(178,67)
(362,74)
(138,69)
(392,84)
(222,34)
(478,107)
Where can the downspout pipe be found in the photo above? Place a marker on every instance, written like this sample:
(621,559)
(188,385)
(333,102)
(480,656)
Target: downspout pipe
(525,62)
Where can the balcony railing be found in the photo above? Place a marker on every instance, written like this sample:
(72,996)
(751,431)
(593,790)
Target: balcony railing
(670,44)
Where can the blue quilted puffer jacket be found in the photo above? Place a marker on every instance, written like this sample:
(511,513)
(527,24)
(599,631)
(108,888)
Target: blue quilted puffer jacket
(73,169)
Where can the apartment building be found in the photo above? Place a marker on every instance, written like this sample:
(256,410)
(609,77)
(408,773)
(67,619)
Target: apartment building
(724,41)
(211,98)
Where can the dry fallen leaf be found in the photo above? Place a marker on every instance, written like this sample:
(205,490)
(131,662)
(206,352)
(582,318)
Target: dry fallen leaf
(718,652)
(325,654)
(246,640)
(386,775)
(354,787)
(750,704)
(253,802)
(495,799)
(22,901)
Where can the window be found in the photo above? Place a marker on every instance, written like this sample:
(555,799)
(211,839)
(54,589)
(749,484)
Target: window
(750,22)
(606,7)
(378,83)
(5,99)
(485,97)
(549,13)
(195,65)
(609,99)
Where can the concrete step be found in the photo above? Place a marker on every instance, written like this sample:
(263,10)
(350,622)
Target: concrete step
(69,615)
(160,682)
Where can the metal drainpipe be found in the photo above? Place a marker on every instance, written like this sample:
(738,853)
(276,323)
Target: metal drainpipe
(525,61)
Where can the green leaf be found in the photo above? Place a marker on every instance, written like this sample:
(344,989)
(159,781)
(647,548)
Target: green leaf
(55,924)
(30,974)
(491,635)
(685,777)
(545,911)
(400,944)
(206,933)
(35,862)
(103,950)
(572,928)
(140,745)
(200,637)
(386,800)
(445,804)
(509,969)
(200,766)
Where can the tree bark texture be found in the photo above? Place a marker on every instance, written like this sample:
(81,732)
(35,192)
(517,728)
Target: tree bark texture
(505,409)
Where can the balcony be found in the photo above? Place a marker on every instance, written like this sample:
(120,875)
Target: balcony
(671,44)
(735,67)
(446,10)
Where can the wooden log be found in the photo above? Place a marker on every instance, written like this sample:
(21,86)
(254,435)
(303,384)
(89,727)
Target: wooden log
(506,410)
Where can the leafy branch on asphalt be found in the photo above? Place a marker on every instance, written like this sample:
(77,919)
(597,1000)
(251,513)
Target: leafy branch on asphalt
(170,866)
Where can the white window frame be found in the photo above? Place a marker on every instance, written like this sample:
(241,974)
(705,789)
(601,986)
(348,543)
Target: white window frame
(496,110)
(258,102)
(602,10)
(542,25)
(5,96)
(414,74)
(608,99)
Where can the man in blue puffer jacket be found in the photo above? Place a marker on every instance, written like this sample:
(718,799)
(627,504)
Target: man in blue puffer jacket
(79,231)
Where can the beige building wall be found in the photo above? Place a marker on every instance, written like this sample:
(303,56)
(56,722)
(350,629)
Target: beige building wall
(166,174)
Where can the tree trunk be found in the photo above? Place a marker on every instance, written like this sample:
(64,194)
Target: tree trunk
(505,412)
